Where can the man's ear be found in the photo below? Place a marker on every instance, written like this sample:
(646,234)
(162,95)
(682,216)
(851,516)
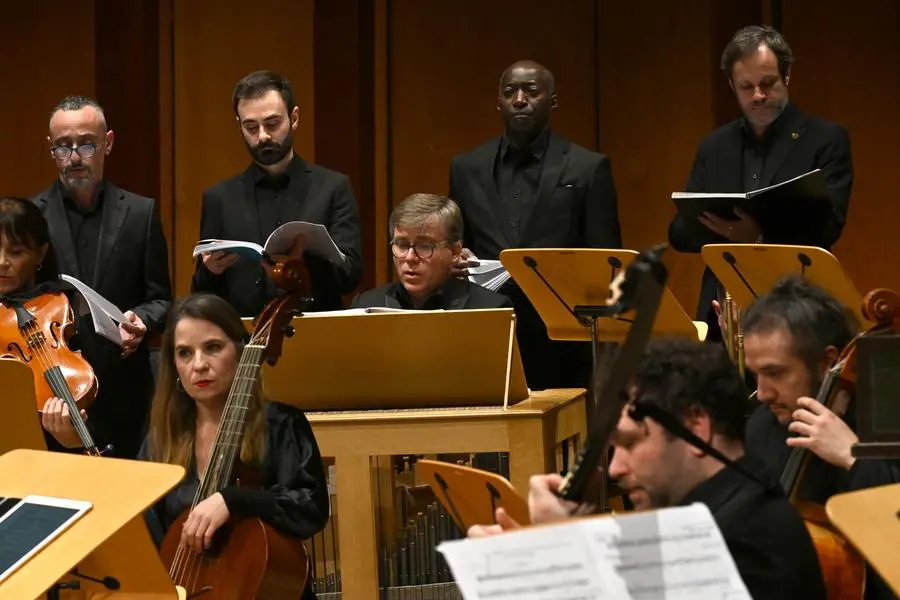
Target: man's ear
(109,139)
(553,102)
(295,117)
(787,76)
(831,355)
(50,144)
(456,248)
(701,426)
(731,83)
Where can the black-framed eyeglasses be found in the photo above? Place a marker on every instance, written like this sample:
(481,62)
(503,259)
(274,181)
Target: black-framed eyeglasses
(83,150)
(424,250)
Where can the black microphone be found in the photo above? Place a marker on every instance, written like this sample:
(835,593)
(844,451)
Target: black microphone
(805,261)
(110,583)
(532,264)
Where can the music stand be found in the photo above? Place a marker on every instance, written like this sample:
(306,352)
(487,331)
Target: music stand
(108,551)
(467,493)
(353,360)
(870,520)
(750,270)
(21,420)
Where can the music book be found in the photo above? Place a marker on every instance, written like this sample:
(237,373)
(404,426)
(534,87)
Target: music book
(105,315)
(672,553)
(490,274)
(779,208)
(317,238)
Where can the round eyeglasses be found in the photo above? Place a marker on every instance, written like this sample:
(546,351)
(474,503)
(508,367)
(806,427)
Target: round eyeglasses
(83,150)
(423,250)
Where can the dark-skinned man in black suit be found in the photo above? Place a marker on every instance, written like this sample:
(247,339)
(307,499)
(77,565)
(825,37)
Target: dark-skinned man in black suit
(773,142)
(111,240)
(426,242)
(531,188)
(277,188)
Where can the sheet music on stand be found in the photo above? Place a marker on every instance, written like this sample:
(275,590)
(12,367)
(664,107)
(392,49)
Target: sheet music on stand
(673,553)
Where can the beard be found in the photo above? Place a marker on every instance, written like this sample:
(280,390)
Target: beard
(271,152)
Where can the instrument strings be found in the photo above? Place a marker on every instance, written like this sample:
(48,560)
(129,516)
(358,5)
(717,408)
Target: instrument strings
(36,340)
(186,566)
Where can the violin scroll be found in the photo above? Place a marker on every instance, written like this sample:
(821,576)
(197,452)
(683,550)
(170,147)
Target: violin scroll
(882,306)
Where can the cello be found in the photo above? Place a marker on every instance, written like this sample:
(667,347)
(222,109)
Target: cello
(248,558)
(37,332)
(842,566)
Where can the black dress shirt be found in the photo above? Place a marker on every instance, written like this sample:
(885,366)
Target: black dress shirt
(517,174)
(754,151)
(270,196)
(765,535)
(86,226)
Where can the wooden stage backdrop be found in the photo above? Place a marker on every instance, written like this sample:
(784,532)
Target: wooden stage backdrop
(389,90)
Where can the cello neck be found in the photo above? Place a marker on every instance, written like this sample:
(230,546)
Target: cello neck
(227,444)
(799,458)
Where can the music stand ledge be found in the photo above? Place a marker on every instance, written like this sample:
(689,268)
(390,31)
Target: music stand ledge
(870,520)
(762,265)
(110,540)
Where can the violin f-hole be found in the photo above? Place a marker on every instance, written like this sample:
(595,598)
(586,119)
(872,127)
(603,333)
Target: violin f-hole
(14,347)
(55,327)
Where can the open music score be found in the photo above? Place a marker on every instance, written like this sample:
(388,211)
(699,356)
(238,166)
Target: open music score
(676,553)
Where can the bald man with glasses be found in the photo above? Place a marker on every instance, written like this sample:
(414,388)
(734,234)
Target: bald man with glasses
(426,242)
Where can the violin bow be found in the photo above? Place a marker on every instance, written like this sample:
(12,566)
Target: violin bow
(640,287)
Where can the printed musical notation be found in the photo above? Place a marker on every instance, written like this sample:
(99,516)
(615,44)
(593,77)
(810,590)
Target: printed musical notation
(674,553)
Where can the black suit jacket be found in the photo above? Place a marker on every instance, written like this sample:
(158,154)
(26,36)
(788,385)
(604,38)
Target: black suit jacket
(802,143)
(576,208)
(315,195)
(457,294)
(133,274)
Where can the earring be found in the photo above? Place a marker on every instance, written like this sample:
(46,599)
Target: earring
(178,385)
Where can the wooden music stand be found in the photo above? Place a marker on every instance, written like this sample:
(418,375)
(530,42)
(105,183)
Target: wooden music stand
(582,278)
(357,361)
(111,540)
(870,520)
(762,265)
(21,420)
(471,495)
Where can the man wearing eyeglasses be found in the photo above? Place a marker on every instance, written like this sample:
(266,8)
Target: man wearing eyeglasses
(426,242)
(112,240)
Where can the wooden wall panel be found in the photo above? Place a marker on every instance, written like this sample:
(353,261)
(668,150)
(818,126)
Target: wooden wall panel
(39,67)
(847,70)
(445,63)
(216,43)
(656,102)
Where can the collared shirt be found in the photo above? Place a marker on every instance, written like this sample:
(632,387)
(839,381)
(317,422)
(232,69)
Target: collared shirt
(755,150)
(271,194)
(517,175)
(765,535)
(85,226)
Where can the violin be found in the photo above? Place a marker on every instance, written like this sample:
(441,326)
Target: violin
(842,566)
(37,333)
(248,558)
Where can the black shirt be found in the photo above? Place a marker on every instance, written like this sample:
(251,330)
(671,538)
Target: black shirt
(768,540)
(86,226)
(517,175)
(754,151)
(270,197)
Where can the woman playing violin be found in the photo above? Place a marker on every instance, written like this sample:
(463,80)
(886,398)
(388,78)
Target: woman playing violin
(28,269)
(199,357)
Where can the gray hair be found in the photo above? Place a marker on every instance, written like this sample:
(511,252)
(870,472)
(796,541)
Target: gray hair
(77,103)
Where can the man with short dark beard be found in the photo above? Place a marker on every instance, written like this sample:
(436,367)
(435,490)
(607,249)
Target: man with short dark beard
(277,188)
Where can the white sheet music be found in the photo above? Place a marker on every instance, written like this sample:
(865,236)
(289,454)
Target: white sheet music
(105,315)
(669,554)
(489,274)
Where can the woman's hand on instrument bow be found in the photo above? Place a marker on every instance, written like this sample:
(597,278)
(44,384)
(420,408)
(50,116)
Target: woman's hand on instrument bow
(823,432)
(203,522)
(55,419)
